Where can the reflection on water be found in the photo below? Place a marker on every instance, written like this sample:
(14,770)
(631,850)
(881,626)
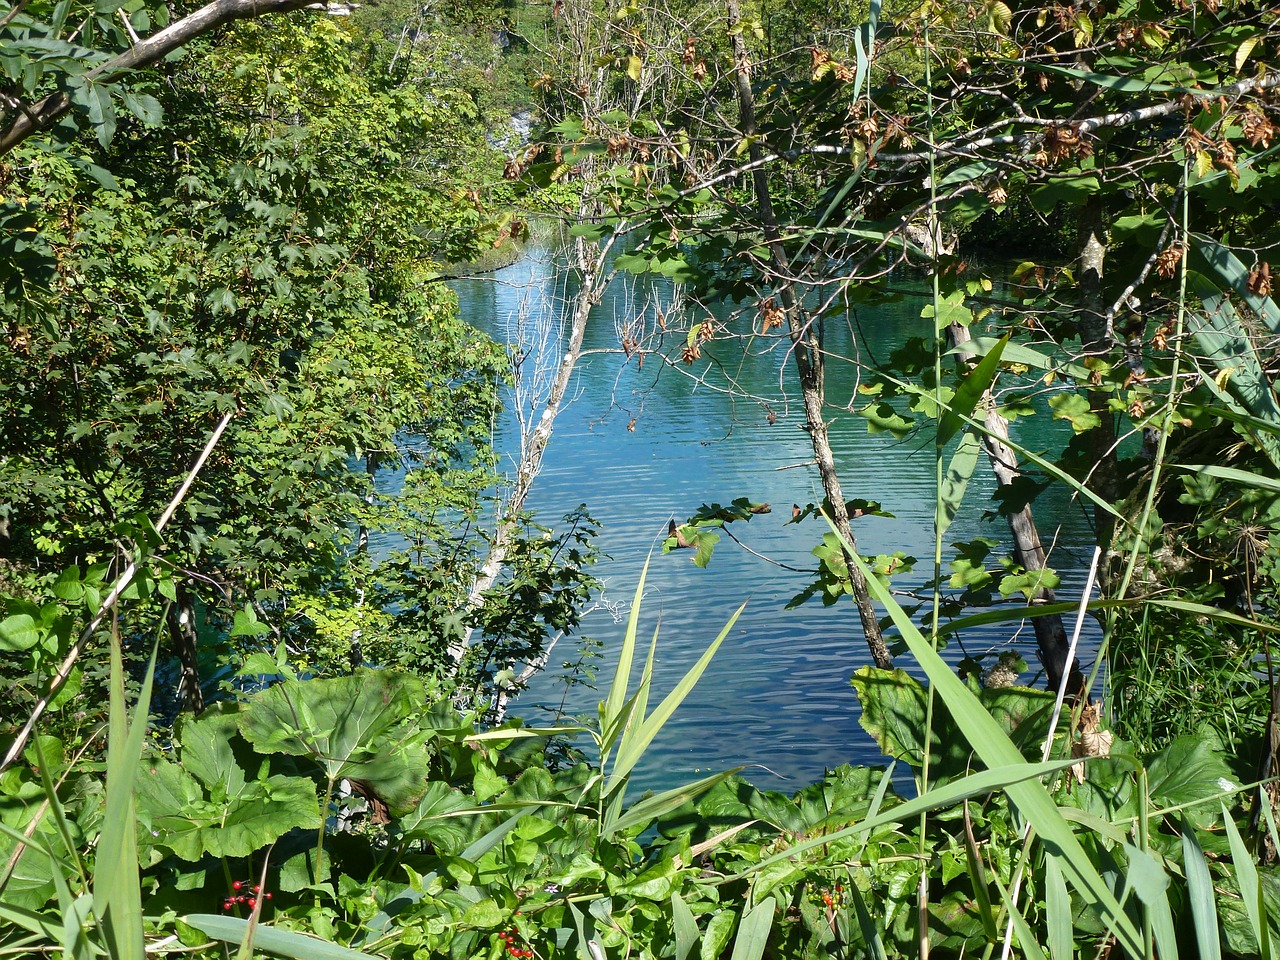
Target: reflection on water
(641,445)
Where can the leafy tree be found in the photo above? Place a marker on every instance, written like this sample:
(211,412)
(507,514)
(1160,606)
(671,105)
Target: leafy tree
(268,255)
(1147,137)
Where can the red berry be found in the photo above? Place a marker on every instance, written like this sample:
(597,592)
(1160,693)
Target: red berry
(268,894)
(256,888)
(237,885)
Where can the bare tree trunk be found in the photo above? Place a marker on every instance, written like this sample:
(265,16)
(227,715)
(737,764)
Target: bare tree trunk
(1052,641)
(590,261)
(805,345)
(182,630)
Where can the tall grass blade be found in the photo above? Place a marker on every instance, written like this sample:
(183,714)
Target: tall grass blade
(117,893)
(1057,910)
(753,932)
(1048,466)
(74,940)
(864,42)
(995,749)
(652,808)
(1204,909)
(283,943)
(59,814)
(1026,936)
(978,879)
(870,933)
(611,709)
(1245,872)
(956,481)
(1244,477)
(1221,336)
(970,392)
(636,740)
(683,926)
(1232,269)
(26,919)
(947,795)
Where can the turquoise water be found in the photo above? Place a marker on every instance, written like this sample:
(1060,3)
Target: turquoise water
(641,445)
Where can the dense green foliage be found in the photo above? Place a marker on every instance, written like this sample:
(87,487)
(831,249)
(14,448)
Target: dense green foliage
(227,270)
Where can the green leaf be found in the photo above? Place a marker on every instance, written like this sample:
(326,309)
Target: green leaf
(653,808)
(436,818)
(1019,353)
(192,823)
(971,391)
(719,927)
(19,632)
(143,106)
(1068,191)
(753,933)
(637,736)
(1057,907)
(949,310)
(117,891)
(1200,895)
(1074,408)
(683,925)
(997,750)
(882,418)
(353,726)
(1190,769)
(284,943)
(956,481)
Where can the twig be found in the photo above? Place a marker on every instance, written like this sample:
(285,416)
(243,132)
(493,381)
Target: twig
(109,602)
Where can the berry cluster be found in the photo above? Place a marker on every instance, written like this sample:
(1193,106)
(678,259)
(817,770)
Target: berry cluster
(511,939)
(236,897)
(833,899)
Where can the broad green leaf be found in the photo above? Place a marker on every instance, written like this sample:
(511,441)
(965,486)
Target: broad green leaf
(1187,770)
(882,418)
(753,932)
(353,726)
(436,818)
(18,633)
(1074,408)
(206,747)
(719,927)
(224,823)
(895,705)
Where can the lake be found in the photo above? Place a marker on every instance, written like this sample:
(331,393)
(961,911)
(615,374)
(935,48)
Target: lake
(641,445)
